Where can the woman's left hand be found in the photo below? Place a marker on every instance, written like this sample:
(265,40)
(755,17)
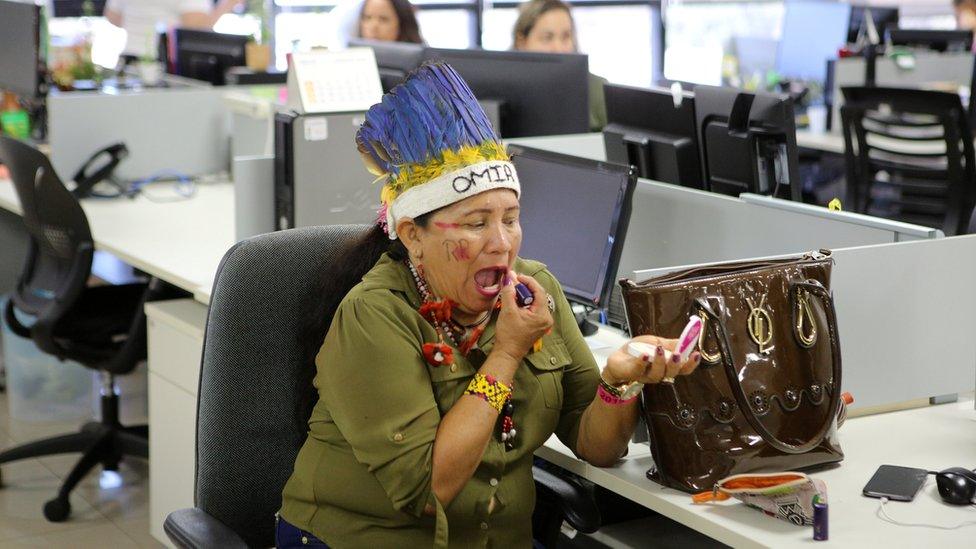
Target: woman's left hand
(623,368)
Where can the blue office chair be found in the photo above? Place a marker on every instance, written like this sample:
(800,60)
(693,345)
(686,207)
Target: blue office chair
(256,392)
(101,327)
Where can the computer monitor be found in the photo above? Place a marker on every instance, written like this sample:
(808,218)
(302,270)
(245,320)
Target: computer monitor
(574,217)
(394,60)
(21,62)
(884,17)
(813,33)
(748,142)
(78,8)
(539,93)
(650,130)
(206,55)
(936,40)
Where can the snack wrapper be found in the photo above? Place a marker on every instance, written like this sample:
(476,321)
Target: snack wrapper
(788,496)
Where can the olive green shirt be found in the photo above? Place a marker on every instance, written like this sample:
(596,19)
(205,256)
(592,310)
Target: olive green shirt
(363,476)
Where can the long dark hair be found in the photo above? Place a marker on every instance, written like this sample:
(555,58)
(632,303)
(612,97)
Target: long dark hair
(407,17)
(358,259)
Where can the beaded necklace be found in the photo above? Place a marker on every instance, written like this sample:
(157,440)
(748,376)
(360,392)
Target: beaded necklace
(453,331)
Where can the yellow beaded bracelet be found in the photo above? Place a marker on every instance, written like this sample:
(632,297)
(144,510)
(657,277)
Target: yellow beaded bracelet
(492,391)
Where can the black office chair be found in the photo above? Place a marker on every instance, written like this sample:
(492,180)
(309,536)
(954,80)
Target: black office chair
(102,327)
(909,156)
(256,390)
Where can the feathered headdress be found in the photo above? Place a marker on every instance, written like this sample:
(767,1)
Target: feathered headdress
(432,145)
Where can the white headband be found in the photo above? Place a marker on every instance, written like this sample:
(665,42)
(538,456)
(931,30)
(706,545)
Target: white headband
(451,187)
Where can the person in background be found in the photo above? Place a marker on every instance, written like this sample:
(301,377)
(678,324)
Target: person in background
(547,26)
(965,14)
(389,21)
(140,19)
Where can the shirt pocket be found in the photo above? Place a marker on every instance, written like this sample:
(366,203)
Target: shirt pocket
(547,366)
(450,381)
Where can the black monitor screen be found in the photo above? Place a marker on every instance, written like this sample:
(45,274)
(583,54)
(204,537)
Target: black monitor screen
(19,40)
(78,8)
(206,55)
(646,129)
(574,216)
(539,93)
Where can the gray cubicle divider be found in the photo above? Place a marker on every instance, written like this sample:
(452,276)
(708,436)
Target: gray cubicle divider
(929,70)
(181,129)
(253,196)
(671,225)
(904,313)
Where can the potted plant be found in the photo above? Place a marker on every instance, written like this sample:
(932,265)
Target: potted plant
(257,52)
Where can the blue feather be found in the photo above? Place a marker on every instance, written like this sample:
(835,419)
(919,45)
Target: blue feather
(433,111)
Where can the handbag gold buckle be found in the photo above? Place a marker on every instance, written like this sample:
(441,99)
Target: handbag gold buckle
(804,315)
(710,358)
(760,325)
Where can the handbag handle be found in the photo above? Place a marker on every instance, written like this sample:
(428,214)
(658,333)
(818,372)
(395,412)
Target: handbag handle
(814,288)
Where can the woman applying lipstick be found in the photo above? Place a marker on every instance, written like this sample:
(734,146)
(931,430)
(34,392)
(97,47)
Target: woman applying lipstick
(435,386)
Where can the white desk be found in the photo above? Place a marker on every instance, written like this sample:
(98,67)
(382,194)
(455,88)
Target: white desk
(178,242)
(933,438)
(827,142)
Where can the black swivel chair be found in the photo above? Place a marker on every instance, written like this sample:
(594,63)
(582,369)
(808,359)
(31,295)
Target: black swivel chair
(256,392)
(102,327)
(909,156)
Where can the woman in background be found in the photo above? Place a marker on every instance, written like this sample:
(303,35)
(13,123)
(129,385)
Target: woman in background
(389,21)
(547,26)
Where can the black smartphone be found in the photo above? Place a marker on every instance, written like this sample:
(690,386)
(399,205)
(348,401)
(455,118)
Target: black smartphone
(895,483)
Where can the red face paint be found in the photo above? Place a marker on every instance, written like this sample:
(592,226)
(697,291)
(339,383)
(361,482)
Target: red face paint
(461,253)
(447,225)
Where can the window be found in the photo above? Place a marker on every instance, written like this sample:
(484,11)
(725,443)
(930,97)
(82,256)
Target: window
(620,37)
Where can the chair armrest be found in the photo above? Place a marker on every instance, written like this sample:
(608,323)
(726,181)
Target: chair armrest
(575,500)
(195,529)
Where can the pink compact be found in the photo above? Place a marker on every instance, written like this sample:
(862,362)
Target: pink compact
(689,338)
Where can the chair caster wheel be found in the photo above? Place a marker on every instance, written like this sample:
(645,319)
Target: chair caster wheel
(57,510)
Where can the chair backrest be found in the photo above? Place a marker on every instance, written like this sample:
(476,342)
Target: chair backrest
(59,258)
(256,389)
(909,156)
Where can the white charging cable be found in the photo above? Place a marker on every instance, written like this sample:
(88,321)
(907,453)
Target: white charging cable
(882,513)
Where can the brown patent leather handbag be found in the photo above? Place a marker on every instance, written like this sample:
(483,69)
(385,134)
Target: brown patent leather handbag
(766,394)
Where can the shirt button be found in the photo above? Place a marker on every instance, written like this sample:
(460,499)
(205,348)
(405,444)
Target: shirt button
(453,368)
(484,525)
(304,540)
(552,360)
(493,482)
(398,437)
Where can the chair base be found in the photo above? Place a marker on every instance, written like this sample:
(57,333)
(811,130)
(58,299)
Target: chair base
(106,443)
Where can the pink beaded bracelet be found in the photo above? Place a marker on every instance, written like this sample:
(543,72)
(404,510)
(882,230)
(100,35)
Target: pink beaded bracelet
(610,399)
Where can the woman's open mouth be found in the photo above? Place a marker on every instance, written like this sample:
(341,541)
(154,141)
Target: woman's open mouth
(488,281)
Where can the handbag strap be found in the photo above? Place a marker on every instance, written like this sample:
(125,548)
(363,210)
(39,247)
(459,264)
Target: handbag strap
(815,288)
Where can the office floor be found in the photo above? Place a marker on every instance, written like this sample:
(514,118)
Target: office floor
(106,517)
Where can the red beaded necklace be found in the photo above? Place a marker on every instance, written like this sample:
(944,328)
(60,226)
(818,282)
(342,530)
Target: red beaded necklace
(439,313)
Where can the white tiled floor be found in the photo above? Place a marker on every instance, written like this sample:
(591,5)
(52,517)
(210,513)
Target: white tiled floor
(100,517)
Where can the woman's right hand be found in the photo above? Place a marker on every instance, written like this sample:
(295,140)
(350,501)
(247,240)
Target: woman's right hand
(518,328)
